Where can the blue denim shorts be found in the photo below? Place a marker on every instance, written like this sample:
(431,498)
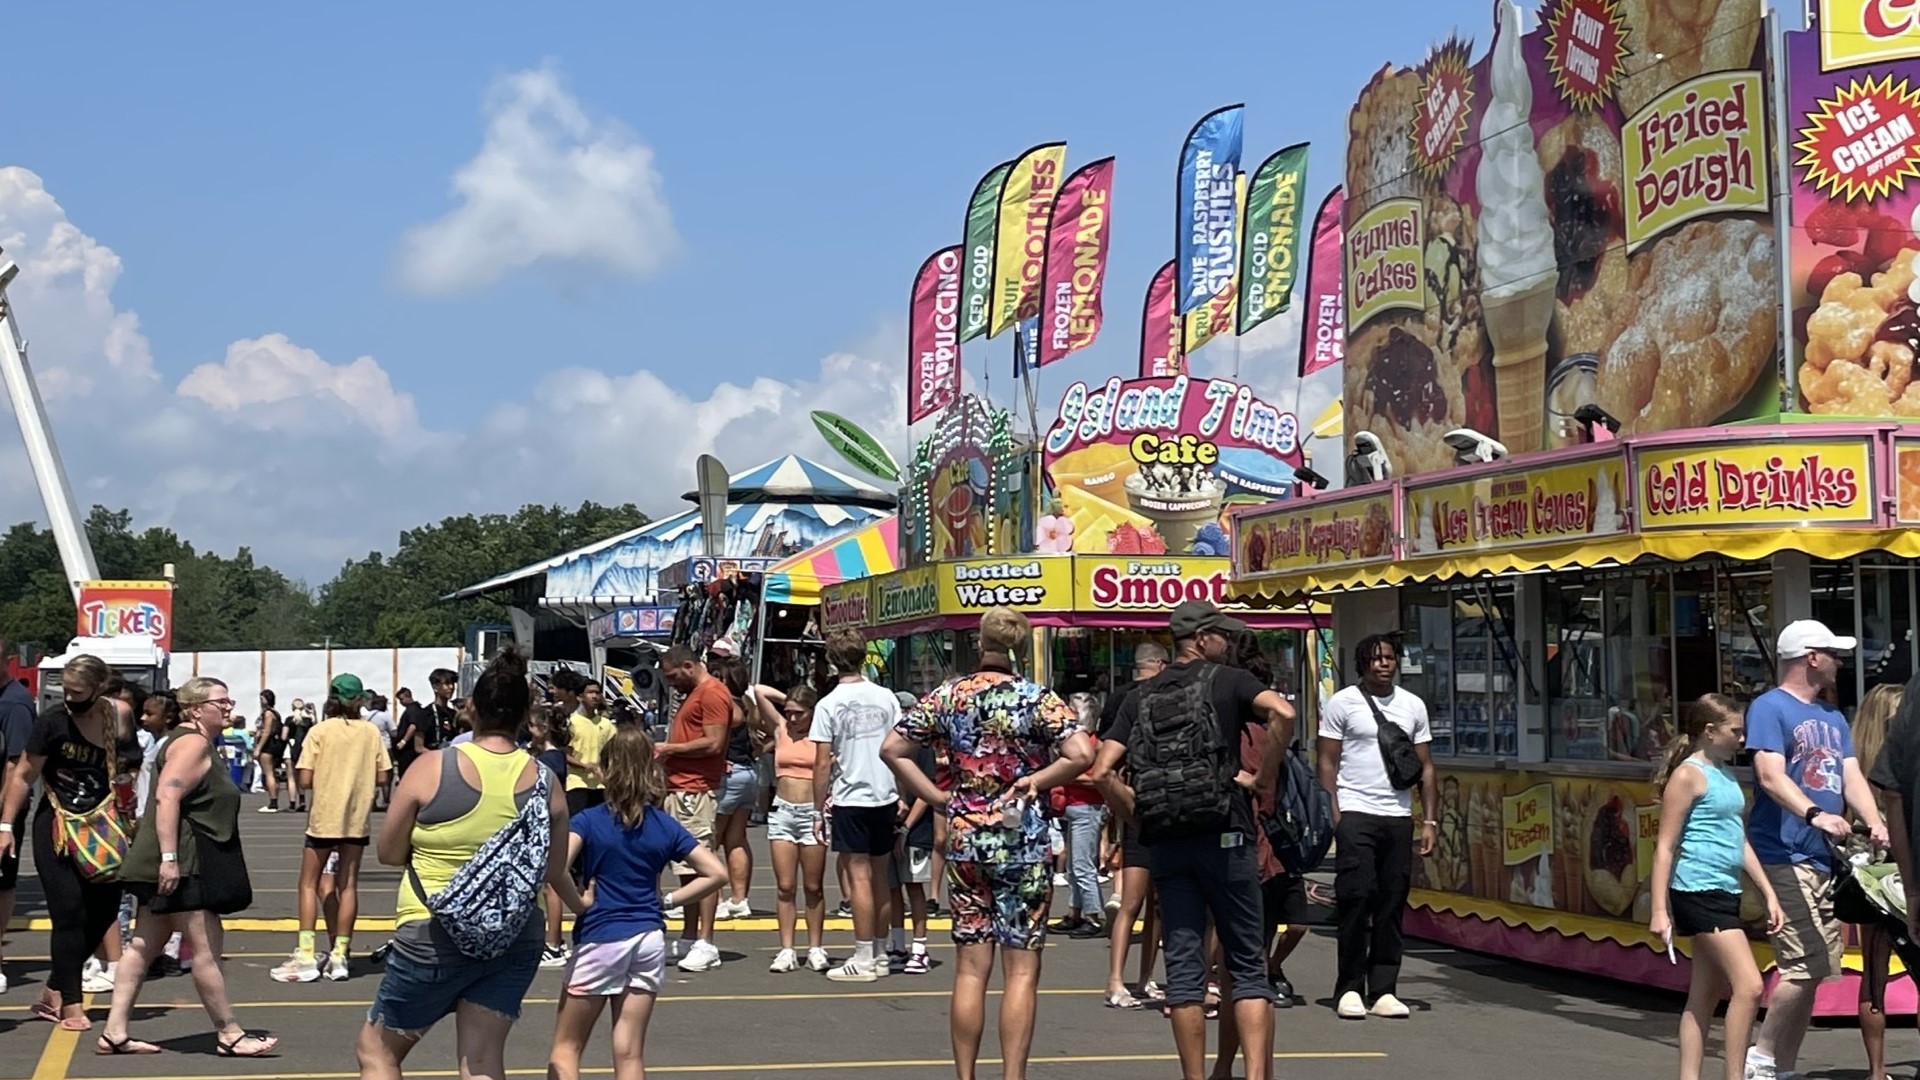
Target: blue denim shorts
(741,790)
(415,996)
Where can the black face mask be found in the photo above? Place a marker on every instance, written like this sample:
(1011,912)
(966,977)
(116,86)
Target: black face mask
(80,707)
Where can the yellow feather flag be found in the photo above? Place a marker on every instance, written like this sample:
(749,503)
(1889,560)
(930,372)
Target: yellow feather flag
(1020,243)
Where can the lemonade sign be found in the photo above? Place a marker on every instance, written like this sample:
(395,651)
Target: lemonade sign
(1146,466)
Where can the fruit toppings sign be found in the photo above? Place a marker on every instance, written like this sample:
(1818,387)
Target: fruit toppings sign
(1863,141)
(1313,534)
(127,609)
(1441,113)
(1586,50)
(1145,466)
(1765,484)
(1383,261)
(1698,149)
(1505,510)
(1857,32)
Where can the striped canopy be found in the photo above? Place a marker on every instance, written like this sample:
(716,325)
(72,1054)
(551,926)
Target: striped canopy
(863,553)
(793,479)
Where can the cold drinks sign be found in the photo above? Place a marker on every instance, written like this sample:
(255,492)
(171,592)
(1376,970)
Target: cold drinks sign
(124,608)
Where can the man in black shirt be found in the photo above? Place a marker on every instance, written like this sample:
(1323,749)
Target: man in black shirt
(1206,865)
(16,723)
(1896,773)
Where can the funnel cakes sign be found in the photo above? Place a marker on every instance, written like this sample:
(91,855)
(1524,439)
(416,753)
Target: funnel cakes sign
(1146,466)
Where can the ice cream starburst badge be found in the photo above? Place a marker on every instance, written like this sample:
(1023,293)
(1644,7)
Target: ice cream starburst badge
(1864,141)
(1446,103)
(1586,50)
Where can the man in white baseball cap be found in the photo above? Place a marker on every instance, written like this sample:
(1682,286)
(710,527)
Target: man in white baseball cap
(1806,778)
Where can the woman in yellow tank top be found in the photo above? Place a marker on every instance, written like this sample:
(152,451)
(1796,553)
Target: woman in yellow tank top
(450,803)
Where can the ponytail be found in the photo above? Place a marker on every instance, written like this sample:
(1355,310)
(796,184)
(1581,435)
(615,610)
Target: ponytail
(1679,750)
(1706,711)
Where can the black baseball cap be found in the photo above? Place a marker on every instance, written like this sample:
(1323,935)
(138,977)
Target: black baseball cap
(1193,616)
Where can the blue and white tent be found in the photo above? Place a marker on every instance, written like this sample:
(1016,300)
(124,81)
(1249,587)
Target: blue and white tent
(794,479)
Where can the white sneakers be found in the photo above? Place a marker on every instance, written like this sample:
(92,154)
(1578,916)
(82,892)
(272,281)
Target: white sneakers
(702,956)
(1387,1007)
(336,968)
(854,971)
(733,909)
(96,978)
(817,960)
(553,956)
(783,962)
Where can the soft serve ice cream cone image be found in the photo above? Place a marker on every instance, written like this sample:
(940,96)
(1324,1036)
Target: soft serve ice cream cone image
(1517,268)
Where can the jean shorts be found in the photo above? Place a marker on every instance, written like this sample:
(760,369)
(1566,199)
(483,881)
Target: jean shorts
(792,822)
(415,996)
(740,791)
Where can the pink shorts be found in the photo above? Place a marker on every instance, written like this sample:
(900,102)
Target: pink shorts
(611,968)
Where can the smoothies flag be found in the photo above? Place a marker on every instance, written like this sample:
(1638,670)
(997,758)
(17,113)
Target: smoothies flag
(1160,354)
(976,279)
(1205,232)
(1323,325)
(933,336)
(1215,317)
(1020,243)
(1076,266)
(1270,255)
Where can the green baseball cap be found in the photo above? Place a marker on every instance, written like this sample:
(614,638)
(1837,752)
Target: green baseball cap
(348,687)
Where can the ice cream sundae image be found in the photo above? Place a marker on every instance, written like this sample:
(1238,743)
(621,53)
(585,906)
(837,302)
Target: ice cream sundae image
(1518,274)
(1424,541)
(1178,499)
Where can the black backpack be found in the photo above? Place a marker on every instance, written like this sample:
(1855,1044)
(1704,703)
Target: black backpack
(1300,829)
(1182,764)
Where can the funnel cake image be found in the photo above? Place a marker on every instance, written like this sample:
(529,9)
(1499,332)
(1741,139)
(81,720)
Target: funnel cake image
(1518,272)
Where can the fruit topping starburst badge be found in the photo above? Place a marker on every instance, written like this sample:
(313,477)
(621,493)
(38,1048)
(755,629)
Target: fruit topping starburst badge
(1864,141)
(1586,50)
(1441,115)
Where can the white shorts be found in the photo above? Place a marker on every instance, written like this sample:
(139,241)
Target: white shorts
(792,822)
(915,869)
(611,968)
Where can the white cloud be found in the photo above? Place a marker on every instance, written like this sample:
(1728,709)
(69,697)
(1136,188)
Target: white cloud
(311,462)
(549,185)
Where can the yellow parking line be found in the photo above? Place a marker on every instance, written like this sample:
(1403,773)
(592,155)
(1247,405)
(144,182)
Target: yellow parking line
(57,1056)
(665,999)
(384,924)
(752,1068)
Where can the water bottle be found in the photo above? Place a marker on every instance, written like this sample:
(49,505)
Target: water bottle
(1013,813)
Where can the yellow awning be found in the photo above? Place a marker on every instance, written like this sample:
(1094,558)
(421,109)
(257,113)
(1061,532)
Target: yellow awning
(1743,545)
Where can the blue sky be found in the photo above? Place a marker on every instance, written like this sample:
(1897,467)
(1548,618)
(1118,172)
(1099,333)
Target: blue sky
(257,174)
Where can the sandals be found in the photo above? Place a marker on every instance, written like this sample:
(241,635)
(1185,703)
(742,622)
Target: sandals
(75,1023)
(114,1047)
(43,1011)
(1122,999)
(231,1048)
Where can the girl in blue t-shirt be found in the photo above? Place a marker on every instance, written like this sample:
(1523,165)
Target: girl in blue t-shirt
(618,850)
(1702,851)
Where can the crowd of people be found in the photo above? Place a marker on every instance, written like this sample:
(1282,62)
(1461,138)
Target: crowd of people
(991,796)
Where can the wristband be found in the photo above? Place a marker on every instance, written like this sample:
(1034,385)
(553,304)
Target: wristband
(1431,822)
(6,827)
(168,856)
(670,902)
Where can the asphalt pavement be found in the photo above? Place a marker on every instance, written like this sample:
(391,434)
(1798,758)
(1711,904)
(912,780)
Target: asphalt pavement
(1473,1015)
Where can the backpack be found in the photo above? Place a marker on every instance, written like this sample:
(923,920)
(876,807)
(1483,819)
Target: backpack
(1182,765)
(488,901)
(1300,829)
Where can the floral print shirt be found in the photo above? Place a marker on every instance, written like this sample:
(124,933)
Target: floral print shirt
(994,728)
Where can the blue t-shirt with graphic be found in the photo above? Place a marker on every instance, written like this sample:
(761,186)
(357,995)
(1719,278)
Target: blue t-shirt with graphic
(623,867)
(1815,740)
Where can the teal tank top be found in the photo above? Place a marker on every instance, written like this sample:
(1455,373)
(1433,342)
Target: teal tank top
(1713,843)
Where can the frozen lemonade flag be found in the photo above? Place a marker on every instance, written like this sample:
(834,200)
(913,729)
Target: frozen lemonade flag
(1160,352)
(1323,325)
(1216,316)
(976,277)
(1076,266)
(1020,245)
(1517,268)
(933,336)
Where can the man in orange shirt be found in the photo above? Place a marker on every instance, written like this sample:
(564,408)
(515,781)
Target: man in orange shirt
(695,758)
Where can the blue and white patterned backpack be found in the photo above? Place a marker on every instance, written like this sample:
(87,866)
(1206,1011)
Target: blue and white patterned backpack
(488,901)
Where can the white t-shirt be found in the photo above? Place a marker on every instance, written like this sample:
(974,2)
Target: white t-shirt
(1362,784)
(855,718)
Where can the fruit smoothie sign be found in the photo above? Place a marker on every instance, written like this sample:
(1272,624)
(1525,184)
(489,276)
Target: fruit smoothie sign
(127,608)
(1854,137)
(1146,466)
(1577,215)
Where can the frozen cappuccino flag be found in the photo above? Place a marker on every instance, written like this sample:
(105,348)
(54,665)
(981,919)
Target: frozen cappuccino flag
(933,336)
(1160,354)
(1076,266)
(1215,317)
(976,279)
(1020,241)
(1206,229)
(1323,325)
(1270,249)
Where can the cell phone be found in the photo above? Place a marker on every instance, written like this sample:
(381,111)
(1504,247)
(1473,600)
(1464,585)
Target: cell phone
(1232,840)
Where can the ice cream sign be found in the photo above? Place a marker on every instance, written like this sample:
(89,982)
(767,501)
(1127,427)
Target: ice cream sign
(127,609)
(1771,483)
(1504,510)
(1698,149)
(1145,466)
